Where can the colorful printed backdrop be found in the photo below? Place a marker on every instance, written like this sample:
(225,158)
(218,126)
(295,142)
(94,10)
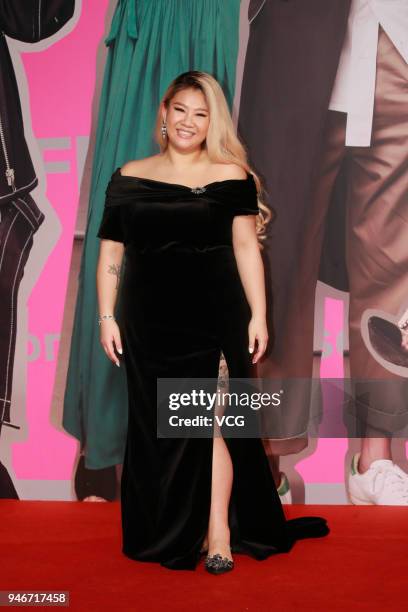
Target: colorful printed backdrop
(57,81)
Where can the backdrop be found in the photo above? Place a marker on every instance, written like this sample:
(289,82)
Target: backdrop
(59,81)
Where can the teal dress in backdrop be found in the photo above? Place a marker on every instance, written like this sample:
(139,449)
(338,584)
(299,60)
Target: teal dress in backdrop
(150,43)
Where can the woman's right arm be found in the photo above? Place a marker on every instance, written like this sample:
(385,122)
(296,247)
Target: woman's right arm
(107,284)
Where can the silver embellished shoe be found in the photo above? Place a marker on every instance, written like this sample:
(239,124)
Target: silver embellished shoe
(215,564)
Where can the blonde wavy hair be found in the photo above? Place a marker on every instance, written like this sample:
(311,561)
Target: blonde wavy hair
(222,143)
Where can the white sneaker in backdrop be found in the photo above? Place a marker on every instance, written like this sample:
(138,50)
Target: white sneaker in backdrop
(383,484)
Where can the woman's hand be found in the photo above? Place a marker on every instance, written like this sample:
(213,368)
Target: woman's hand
(403,325)
(110,339)
(257,331)
(404,342)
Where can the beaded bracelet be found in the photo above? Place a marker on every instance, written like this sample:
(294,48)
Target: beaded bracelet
(104,317)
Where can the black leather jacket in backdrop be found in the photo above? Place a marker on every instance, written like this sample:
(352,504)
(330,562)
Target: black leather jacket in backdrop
(28,21)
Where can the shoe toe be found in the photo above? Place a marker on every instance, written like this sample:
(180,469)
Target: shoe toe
(216,564)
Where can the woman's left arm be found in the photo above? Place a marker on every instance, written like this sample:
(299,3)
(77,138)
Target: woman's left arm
(251,271)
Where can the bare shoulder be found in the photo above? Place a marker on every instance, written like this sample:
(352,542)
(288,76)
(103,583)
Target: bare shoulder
(231,171)
(138,167)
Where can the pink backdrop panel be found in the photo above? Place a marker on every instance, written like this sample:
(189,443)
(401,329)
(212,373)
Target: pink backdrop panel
(326,464)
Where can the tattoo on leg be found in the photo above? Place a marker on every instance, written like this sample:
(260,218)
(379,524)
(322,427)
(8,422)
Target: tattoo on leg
(115,269)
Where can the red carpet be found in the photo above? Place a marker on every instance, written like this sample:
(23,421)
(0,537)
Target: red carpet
(75,547)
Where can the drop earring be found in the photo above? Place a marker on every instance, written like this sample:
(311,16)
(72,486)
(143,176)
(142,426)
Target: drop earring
(164,130)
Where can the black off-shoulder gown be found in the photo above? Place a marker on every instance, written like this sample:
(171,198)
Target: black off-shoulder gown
(181,304)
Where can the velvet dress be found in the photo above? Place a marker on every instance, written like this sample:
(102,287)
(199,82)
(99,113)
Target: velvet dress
(181,302)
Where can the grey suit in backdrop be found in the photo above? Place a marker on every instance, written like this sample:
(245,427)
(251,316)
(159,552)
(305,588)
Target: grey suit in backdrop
(291,62)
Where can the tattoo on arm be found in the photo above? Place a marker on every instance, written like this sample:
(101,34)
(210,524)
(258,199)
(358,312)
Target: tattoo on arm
(115,269)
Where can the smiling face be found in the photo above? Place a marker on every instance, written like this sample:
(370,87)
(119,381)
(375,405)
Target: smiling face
(187,119)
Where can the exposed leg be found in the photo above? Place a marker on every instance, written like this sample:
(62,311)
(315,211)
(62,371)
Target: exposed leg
(218,534)
(373,449)
(222,474)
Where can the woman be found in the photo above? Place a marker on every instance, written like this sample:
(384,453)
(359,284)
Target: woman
(188,220)
(150,42)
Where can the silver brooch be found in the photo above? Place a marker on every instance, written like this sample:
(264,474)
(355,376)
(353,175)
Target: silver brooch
(198,189)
